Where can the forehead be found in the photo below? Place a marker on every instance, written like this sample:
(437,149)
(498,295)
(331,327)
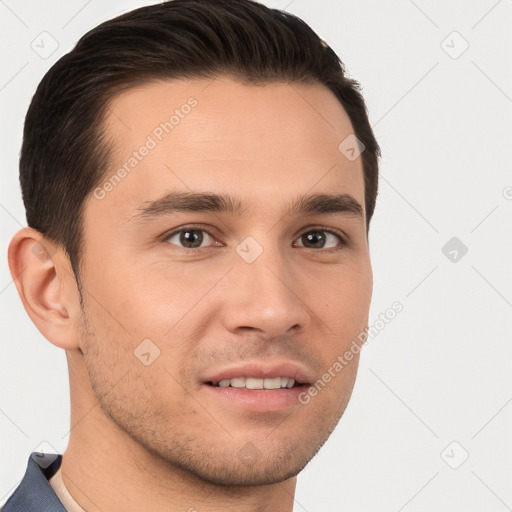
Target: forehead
(258,142)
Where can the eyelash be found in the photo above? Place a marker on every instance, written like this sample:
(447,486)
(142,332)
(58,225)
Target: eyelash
(338,235)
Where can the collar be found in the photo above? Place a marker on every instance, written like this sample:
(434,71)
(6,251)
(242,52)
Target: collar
(34,493)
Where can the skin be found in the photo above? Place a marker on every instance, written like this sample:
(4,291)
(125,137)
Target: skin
(152,433)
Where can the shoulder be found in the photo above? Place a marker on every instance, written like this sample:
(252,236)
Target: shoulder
(34,493)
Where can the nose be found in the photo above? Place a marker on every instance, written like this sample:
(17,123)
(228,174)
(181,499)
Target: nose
(266,297)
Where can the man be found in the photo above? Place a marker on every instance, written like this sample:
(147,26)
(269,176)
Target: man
(199,179)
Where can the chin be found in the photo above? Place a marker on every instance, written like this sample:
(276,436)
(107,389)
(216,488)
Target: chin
(249,465)
(262,472)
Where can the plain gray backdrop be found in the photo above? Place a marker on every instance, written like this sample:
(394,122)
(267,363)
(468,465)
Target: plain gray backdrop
(428,426)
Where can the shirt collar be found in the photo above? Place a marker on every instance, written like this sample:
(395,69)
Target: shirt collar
(34,491)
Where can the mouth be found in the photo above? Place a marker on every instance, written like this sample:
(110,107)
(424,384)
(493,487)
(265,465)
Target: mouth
(258,387)
(269,383)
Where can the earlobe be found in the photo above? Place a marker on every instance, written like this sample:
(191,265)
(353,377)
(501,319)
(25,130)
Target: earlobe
(38,268)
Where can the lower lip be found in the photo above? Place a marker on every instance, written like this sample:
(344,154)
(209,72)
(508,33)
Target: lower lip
(258,400)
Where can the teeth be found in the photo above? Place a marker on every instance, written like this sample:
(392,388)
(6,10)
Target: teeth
(254,383)
(238,382)
(272,383)
(251,383)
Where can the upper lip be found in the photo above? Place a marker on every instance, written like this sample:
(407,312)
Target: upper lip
(262,370)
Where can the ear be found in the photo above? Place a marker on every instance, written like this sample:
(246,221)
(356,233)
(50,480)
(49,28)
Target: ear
(47,287)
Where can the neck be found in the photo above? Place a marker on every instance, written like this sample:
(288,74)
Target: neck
(104,469)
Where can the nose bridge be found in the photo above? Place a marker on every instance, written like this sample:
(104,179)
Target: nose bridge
(265,297)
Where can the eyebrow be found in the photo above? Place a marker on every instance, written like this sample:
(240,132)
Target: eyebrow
(208,202)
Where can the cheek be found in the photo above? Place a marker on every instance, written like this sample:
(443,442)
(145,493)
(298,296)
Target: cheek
(161,293)
(133,380)
(345,301)
(145,302)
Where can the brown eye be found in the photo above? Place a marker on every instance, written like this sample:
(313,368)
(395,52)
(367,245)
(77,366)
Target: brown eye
(189,238)
(320,239)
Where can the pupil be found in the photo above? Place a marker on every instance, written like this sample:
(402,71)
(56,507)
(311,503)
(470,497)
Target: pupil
(191,238)
(315,238)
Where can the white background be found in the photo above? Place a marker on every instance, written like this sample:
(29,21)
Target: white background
(441,370)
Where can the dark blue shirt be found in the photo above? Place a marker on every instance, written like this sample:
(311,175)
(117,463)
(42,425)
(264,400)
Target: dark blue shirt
(35,494)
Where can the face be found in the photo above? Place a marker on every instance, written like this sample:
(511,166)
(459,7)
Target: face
(229,256)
